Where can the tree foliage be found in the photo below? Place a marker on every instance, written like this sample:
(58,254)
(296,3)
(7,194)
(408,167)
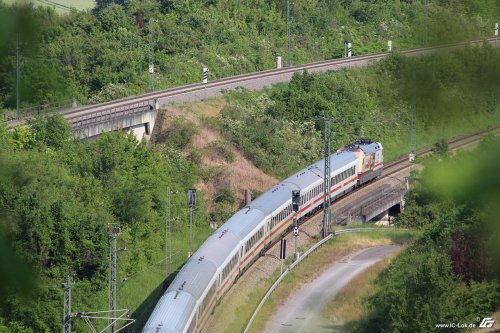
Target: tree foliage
(281,129)
(62,196)
(83,54)
(450,274)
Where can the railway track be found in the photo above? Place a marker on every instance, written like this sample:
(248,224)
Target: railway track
(396,166)
(402,163)
(251,81)
(265,265)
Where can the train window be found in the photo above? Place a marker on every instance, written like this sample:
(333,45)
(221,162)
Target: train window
(207,298)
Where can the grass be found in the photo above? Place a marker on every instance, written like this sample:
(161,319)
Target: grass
(63,7)
(348,306)
(331,252)
(397,146)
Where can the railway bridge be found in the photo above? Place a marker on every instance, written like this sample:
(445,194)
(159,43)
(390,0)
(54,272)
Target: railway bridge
(138,113)
(378,204)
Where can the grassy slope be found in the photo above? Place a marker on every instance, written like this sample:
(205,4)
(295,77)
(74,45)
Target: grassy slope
(348,306)
(338,248)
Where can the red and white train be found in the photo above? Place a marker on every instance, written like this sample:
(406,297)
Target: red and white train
(210,272)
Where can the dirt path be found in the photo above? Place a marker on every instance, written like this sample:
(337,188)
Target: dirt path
(301,312)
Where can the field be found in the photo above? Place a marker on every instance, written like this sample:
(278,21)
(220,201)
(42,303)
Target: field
(61,6)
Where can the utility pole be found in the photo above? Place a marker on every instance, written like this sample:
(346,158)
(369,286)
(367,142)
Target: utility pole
(112,277)
(67,305)
(413,123)
(327,194)
(295,208)
(168,244)
(413,142)
(288,61)
(18,76)
(426,10)
(151,57)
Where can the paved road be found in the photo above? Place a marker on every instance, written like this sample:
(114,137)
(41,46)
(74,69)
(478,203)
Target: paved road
(300,313)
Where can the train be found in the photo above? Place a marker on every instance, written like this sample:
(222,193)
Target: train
(188,302)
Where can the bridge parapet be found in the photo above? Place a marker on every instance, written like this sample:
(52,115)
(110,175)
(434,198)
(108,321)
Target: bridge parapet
(138,117)
(370,205)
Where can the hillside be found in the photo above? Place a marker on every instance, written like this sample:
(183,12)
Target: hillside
(103,54)
(225,173)
(59,198)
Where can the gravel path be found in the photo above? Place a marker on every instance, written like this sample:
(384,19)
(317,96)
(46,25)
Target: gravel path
(300,313)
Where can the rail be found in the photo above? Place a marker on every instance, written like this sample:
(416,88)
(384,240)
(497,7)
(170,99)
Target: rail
(300,259)
(223,82)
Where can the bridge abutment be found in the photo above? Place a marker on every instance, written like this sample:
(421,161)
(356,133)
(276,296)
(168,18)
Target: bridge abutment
(139,119)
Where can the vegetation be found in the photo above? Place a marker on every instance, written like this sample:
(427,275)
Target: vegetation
(347,306)
(102,54)
(451,274)
(60,198)
(280,129)
(333,251)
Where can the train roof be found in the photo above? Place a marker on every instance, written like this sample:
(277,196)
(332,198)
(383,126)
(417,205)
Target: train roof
(272,199)
(218,246)
(194,277)
(171,314)
(366,145)
(244,222)
(313,172)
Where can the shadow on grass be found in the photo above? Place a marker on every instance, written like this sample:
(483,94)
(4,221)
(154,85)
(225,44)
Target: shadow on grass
(401,238)
(143,311)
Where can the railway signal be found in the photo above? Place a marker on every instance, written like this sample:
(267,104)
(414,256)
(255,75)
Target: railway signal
(295,200)
(191,201)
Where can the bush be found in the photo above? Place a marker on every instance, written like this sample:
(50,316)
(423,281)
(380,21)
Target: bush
(225,195)
(222,149)
(179,133)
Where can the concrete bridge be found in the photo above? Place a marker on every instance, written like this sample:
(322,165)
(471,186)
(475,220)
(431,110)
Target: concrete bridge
(377,204)
(136,117)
